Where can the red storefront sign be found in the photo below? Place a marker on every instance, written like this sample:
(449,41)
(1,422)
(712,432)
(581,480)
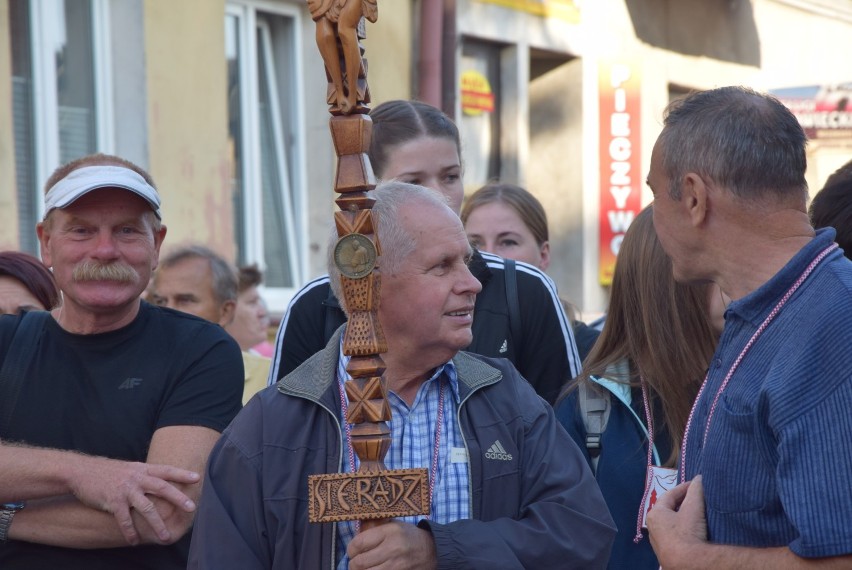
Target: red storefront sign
(824,111)
(620,142)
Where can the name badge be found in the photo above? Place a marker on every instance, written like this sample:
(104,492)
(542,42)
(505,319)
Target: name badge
(660,480)
(458,455)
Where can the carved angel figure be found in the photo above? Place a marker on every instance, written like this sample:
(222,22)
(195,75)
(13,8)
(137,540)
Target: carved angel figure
(340,18)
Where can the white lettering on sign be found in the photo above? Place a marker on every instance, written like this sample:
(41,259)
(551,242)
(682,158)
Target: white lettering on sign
(615,243)
(620,220)
(620,173)
(619,74)
(620,194)
(620,124)
(620,151)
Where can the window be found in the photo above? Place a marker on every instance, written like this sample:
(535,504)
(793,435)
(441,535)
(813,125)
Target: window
(264,109)
(59,93)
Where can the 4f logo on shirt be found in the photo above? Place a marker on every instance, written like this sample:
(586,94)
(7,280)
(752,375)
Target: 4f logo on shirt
(504,347)
(496,451)
(130,383)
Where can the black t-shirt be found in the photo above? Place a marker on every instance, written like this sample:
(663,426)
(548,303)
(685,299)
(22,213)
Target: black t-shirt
(106,394)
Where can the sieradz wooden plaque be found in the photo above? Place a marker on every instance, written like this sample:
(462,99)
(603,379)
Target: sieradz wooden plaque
(336,497)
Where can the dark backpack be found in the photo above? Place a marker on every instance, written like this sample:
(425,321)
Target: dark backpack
(595,406)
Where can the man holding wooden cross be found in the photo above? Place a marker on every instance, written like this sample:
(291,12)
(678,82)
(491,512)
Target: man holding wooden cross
(508,487)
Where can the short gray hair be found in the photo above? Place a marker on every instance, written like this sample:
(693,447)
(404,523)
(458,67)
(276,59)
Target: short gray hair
(224,274)
(395,241)
(745,141)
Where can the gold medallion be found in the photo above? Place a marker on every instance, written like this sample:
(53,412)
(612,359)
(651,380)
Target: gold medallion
(355,255)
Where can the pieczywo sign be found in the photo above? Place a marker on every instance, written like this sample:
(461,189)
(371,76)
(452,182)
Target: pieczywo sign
(621,176)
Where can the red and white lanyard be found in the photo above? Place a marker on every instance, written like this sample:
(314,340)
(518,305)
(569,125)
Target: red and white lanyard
(769,318)
(649,422)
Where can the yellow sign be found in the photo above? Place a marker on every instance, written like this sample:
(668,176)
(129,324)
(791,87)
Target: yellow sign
(566,10)
(476,95)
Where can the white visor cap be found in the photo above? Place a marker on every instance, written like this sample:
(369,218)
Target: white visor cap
(83,180)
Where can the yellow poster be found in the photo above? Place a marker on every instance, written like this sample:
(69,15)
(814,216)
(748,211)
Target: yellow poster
(476,95)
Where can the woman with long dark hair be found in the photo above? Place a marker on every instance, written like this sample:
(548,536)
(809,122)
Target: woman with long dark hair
(646,369)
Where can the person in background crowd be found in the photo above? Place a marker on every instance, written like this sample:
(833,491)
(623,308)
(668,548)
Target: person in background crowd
(249,328)
(103,384)
(654,349)
(25,284)
(509,221)
(266,348)
(251,318)
(832,208)
(765,447)
(524,506)
(417,143)
(195,279)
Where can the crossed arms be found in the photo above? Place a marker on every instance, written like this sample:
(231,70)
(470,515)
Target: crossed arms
(81,501)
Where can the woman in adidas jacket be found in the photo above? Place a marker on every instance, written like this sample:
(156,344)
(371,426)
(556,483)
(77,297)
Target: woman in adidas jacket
(507,220)
(657,332)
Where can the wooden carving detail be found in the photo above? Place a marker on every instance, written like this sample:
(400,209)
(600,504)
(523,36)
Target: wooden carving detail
(340,496)
(351,136)
(373,493)
(364,335)
(340,28)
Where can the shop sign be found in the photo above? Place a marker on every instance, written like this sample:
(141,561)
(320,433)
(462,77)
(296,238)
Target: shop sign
(620,165)
(824,111)
(476,95)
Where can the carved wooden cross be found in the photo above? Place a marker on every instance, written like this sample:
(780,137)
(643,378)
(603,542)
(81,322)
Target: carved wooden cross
(373,493)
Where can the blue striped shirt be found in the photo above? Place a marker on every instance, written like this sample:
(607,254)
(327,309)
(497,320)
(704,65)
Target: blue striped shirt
(777,460)
(412,445)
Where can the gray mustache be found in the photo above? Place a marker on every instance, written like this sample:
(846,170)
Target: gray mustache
(92,271)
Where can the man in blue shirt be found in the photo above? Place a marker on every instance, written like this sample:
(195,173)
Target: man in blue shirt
(510,489)
(766,450)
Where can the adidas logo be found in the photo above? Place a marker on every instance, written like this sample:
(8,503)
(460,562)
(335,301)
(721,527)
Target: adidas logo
(496,451)
(504,347)
(130,383)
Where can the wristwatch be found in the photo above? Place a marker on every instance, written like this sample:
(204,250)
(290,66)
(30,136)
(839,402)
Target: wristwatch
(7,512)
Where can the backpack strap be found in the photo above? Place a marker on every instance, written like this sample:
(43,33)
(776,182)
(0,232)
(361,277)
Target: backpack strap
(21,350)
(511,277)
(595,406)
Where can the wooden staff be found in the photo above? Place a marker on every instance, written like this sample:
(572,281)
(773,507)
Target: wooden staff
(372,493)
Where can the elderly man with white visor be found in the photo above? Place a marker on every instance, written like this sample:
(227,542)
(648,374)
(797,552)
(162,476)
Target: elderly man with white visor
(109,406)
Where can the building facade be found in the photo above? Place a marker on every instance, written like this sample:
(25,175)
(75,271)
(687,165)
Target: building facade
(578,93)
(223,102)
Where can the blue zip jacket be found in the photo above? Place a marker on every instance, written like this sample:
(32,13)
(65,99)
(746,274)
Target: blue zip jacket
(540,510)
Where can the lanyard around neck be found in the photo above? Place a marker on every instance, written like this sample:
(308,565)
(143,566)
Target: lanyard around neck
(769,318)
(649,421)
